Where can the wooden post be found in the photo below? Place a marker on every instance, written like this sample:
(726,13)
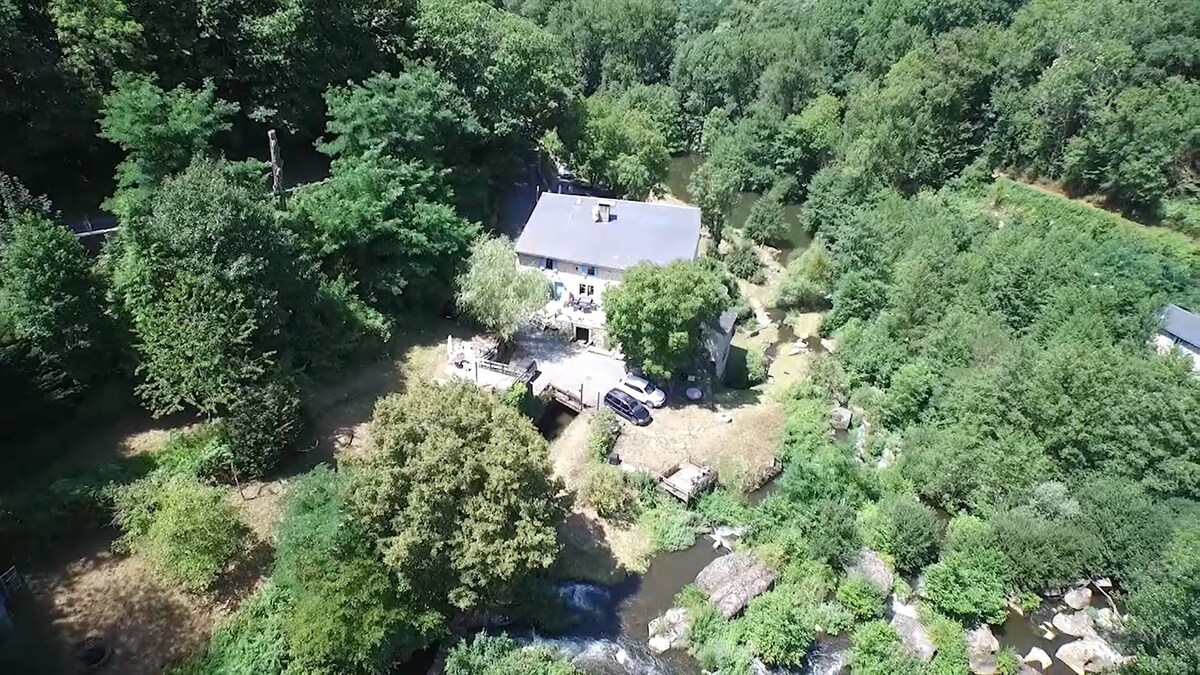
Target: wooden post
(276,164)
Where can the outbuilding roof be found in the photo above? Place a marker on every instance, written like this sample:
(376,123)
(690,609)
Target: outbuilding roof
(1181,324)
(565,227)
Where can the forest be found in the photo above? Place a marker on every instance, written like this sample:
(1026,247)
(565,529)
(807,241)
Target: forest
(992,335)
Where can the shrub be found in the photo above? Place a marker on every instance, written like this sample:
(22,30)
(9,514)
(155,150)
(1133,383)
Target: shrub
(756,366)
(603,431)
(262,425)
(185,528)
(905,529)
(860,597)
(608,493)
(778,629)
(876,649)
(519,396)
(969,585)
(722,507)
(501,655)
(743,262)
(807,279)
(670,527)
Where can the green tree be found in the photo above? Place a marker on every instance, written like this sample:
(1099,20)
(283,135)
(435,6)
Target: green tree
(211,287)
(716,189)
(620,148)
(458,488)
(160,132)
(497,292)
(656,313)
(861,597)
(806,280)
(778,628)
(616,42)
(416,115)
(911,388)
(55,304)
(907,530)
(876,649)
(186,529)
(97,38)
(767,221)
(381,222)
(346,611)
(1163,608)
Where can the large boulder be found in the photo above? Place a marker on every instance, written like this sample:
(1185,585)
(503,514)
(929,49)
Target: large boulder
(1078,624)
(982,646)
(839,418)
(1108,619)
(1090,654)
(915,637)
(670,631)
(1078,598)
(731,581)
(872,567)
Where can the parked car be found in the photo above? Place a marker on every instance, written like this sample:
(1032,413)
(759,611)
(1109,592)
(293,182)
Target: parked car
(643,390)
(627,407)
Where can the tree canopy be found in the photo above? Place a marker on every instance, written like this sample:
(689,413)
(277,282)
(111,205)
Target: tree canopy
(655,314)
(497,292)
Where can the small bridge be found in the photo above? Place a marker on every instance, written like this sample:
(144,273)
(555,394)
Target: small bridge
(522,374)
(571,400)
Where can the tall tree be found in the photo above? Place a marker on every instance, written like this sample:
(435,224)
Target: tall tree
(380,222)
(160,132)
(55,305)
(458,488)
(211,286)
(656,313)
(497,291)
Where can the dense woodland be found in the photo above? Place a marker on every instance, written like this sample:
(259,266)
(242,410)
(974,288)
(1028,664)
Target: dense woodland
(993,337)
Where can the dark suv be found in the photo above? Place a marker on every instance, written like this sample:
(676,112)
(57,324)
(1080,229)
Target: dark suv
(624,405)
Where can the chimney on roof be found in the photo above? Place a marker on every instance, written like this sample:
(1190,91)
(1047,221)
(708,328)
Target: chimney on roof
(602,212)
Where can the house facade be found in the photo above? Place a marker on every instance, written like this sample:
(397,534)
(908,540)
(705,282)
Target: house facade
(583,245)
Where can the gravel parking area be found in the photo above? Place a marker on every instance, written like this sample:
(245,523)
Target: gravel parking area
(569,366)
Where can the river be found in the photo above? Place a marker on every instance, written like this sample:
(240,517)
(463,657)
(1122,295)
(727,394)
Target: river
(679,172)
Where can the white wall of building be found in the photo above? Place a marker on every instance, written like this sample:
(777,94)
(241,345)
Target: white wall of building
(573,276)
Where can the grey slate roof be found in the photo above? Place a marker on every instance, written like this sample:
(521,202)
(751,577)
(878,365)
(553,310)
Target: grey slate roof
(562,227)
(1181,324)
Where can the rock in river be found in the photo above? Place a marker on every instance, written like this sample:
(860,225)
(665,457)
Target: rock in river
(982,646)
(915,637)
(1039,656)
(1090,654)
(670,631)
(1078,598)
(872,567)
(1078,624)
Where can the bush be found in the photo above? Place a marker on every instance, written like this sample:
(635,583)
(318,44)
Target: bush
(607,491)
(756,366)
(185,528)
(519,396)
(670,527)
(806,280)
(905,529)
(860,597)
(969,585)
(743,262)
(876,649)
(603,431)
(778,629)
(910,390)
(723,507)
(262,425)
(501,655)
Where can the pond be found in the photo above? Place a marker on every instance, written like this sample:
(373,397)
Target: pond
(679,172)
